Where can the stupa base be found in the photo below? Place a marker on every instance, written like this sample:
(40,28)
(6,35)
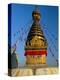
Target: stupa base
(30,71)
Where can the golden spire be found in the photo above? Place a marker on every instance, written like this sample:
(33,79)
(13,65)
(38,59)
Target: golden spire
(36,33)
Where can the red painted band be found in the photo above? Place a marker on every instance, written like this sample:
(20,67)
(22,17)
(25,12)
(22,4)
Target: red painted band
(35,52)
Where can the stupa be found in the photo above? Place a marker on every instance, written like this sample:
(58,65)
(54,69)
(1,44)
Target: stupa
(36,43)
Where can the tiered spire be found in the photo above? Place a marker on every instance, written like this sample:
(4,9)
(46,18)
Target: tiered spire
(36,31)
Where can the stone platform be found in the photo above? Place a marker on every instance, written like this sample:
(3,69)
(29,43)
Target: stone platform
(32,70)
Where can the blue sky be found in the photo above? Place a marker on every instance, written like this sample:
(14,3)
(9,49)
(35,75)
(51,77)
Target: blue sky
(21,20)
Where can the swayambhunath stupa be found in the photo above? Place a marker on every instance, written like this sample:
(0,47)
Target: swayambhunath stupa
(36,44)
